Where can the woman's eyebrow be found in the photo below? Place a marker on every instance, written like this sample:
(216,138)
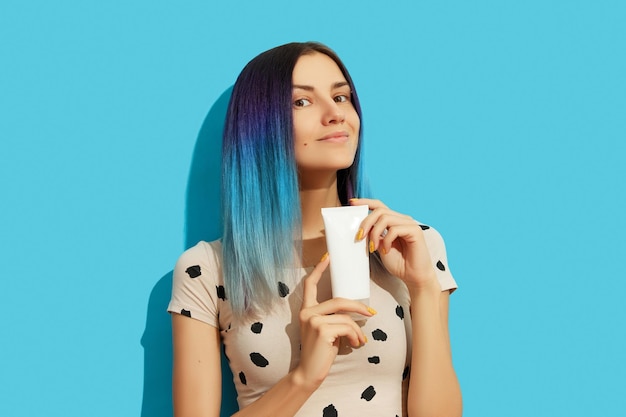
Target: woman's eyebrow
(303,87)
(340,84)
(336,85)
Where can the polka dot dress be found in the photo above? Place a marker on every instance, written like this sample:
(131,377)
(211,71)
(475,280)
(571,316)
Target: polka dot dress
(371,380)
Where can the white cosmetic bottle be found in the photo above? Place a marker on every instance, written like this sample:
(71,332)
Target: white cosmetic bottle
(349,258)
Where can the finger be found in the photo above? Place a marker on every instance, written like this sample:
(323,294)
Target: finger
(383,217)
(373,204)
(367,223)
(384,221)
(317,322)
(385,243)
(309,291)
(341,305)
(409,233)
(382,228)
(372,218)
(352,332)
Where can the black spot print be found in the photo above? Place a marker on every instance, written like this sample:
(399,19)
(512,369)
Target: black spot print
(283,289)
(185,312)
(424,227)
(440,266)
(374,359)
(405,373)
(193,271)
(329,411)
(221,293)
(379,335)
(258,360)
(242,378)
(256,327)
(369,393)
(400,312)
(228,328)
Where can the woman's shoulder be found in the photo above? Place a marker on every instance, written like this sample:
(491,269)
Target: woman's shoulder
(203,257)
(203,250)
(437,249)
(197,284)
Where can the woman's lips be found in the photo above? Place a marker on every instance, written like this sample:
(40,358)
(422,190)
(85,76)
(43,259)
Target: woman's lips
(335,137)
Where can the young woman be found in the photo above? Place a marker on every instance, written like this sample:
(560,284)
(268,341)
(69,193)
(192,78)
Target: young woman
(292,145)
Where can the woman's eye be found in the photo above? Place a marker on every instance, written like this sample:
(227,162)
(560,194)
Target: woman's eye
(342,98)
(302,102)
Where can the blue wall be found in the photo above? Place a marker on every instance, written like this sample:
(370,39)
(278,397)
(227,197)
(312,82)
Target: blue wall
(502,123)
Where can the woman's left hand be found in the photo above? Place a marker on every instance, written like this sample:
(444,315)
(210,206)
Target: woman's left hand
(400,241)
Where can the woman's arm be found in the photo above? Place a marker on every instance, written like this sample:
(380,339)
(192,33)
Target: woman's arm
(197,373)
(433,388)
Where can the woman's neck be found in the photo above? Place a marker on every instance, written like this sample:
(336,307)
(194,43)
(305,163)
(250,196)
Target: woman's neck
(312,200)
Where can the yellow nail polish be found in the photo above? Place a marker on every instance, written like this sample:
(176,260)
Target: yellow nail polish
(372,246)
(324,257)
(372,311)
(365,339)
(384,251)
(359,235)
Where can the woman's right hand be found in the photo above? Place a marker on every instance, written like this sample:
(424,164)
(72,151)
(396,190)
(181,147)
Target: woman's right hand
(321,327)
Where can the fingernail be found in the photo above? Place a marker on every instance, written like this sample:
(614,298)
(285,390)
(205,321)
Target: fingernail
(359,235)
(365,339)
(371,311)
(324,257)
(372,246)
(352,199)
(384,251)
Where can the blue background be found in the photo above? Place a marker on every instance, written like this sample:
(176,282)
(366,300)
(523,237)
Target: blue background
(502,123)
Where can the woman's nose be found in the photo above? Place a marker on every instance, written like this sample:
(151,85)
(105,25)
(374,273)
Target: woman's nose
(334,114)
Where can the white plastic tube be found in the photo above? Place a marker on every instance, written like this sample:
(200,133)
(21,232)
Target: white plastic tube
(349,259)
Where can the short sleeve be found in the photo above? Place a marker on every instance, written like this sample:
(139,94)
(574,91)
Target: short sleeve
(197,282)
(437,249)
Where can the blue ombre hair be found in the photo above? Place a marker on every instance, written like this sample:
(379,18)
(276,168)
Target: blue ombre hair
(260,198)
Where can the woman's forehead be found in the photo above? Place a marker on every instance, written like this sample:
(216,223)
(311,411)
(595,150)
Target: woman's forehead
(317,70)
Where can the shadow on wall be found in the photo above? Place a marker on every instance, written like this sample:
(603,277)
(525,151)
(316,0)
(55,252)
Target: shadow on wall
(202,222)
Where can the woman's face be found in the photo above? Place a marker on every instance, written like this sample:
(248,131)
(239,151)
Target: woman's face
(325,123)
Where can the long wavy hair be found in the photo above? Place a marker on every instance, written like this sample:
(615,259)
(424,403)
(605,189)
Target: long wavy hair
(260,198)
